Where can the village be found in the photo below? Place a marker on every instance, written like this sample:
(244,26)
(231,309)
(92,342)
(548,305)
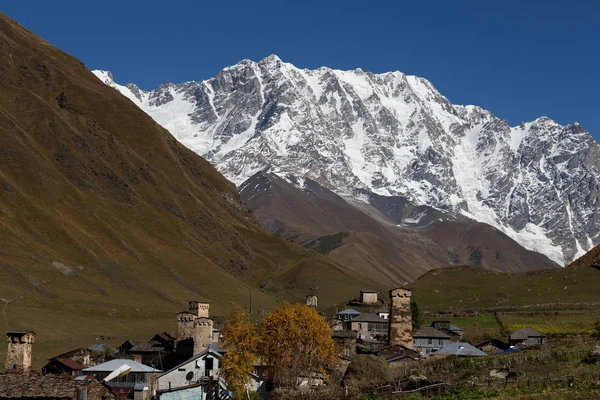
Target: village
(186,364)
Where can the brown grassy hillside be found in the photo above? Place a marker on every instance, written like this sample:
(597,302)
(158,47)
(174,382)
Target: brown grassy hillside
(107,223)
(375,241)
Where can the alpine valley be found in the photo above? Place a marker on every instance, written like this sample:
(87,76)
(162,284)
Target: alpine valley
(392,148)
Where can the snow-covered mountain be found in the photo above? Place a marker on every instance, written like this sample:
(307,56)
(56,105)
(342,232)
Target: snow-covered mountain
(392,134)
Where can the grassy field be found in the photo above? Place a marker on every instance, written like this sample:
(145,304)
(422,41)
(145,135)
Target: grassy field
(460,288)
(557,323)
(477,328)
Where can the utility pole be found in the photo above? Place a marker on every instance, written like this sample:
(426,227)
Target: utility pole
(250,290)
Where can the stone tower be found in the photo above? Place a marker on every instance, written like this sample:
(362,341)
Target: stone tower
(200,310)
(400,325)
(18,355)
(203,334)
(185,325)
(311,301)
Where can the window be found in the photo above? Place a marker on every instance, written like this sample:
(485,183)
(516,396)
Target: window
(429,341)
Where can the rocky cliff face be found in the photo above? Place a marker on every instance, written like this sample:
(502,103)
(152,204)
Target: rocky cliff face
(393,135)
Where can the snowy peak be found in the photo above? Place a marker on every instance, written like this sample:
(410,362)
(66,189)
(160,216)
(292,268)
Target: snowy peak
(394,135)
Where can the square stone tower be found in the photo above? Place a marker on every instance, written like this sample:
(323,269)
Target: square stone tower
(200,310)
(18,355)
(400,325)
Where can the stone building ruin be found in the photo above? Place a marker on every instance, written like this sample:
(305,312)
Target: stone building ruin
(400,319)
(18,354)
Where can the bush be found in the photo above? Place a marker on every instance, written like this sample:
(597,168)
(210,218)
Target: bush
(367,371)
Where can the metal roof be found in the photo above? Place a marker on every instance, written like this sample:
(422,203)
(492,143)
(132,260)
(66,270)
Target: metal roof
(112,365)
(462,349)
(67,362)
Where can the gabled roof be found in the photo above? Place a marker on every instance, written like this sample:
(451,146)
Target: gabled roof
(101,347)
(111,365)
(165,336)
(143,346)
(369,317)
(524,333)
(430,332)
(462,349)
(210,350)
(348,311)
(67,362)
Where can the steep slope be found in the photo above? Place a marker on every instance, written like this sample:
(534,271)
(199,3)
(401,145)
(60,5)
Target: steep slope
(104,214)
(592,257)
(392,134)
(386,238)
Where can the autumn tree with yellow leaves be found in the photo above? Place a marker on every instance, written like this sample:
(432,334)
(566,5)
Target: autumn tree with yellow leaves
(292,340)
(240,340)
(295,340)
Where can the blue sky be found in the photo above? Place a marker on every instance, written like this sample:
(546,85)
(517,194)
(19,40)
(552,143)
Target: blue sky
(519,59)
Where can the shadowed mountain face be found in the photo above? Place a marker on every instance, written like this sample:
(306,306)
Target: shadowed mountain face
(102,209)
(387,238)
(592,257)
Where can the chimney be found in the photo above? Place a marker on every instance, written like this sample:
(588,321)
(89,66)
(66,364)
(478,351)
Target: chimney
(18,355)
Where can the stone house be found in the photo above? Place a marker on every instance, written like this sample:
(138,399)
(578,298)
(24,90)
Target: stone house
(150,352)
(370,326)
(63,366)
(453,330)
(429,340)
(345,342)
(369,297)
(527,337)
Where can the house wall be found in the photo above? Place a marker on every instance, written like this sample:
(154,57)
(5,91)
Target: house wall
(427,345)
(187,374)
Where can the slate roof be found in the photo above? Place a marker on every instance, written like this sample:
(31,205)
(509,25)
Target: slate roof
(369,291)
(462,349)
(343,334)
(370,317)
(430,332)
(111,365)
(143,346)
(348,311)
(524,333)
(38,386)
(101,347)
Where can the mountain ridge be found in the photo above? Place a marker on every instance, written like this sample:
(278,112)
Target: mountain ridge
(393,134)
